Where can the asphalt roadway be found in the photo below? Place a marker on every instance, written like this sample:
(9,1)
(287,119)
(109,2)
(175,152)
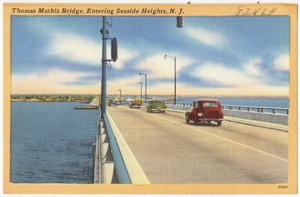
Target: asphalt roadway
(172,151)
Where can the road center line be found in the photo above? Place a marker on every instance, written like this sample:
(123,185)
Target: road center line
(228,140)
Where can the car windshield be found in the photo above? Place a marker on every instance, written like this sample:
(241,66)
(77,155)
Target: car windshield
(210,104)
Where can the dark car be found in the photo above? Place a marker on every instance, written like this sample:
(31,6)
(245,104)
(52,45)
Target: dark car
(156,105)
(205,110)
(135,104)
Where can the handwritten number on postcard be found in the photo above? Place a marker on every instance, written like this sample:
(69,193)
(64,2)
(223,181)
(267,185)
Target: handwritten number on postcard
(247,11)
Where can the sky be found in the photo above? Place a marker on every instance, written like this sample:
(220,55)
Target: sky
(215,56)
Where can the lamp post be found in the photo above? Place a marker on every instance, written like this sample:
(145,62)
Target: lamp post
(145,85)
(120,95)
(114,57)
(141,91)
(174,58)
(104,33)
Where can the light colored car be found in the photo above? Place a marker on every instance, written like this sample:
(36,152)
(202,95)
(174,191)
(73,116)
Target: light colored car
(156,105)
(135,104)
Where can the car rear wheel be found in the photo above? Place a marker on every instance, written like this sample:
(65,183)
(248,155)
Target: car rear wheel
(187,119)
(219,123)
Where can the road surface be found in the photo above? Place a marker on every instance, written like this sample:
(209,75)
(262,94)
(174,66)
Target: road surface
(172,151)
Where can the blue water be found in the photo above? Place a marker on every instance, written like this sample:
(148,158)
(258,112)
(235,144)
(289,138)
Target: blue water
(51,142)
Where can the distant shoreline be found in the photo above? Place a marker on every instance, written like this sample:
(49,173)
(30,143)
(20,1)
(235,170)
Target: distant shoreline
(135,95)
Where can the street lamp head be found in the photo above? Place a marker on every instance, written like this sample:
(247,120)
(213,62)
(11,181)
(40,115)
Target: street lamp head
(174,58)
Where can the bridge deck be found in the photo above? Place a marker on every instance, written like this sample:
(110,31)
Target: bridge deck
(171,151)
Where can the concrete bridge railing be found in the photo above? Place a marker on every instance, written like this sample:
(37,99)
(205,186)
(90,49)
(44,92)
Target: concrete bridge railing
(113,160)
(265,114)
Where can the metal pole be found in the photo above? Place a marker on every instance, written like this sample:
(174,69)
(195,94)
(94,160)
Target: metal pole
(141,92)
(145,88)
(103,80)
(145,85)
(120,96)
(175,80)
(174,58)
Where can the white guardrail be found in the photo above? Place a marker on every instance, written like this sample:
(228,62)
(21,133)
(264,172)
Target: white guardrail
(265,114)
(113,160)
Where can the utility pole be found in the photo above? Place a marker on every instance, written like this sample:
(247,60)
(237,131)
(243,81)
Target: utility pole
(114,57)
(104,33)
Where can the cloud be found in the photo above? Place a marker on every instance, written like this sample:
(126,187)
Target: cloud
(219,74)
(124,55)
(167,88)
(157,67)
(58,81)
(128,85)
(125,82)
(281,63)
(74,48)
(52,81)
(252,67)
(208,37)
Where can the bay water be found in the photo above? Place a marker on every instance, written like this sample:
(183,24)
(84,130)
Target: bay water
(51,142)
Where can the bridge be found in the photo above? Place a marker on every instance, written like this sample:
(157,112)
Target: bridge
(161,148)
(136,147)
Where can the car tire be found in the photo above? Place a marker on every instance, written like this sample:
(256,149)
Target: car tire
(219,123)
(187,119)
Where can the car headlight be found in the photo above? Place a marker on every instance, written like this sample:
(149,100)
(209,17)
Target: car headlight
(200,114)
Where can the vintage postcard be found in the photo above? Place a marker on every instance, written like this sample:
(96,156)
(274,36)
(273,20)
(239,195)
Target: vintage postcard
(150,98)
